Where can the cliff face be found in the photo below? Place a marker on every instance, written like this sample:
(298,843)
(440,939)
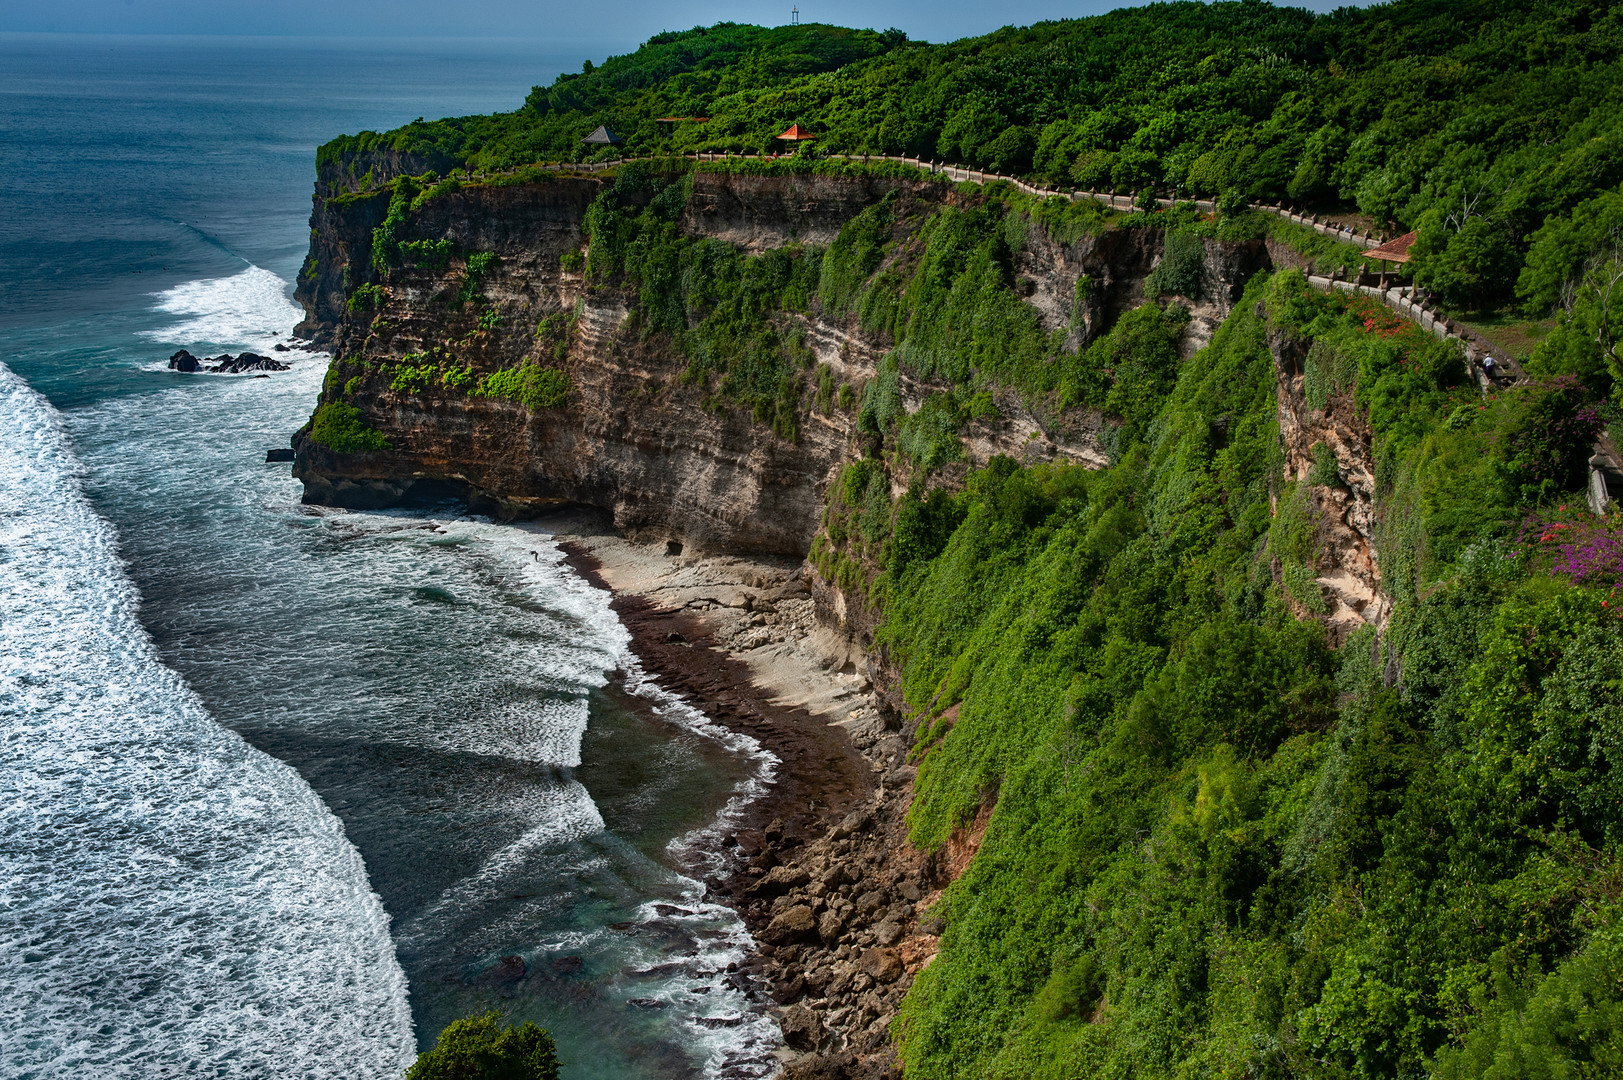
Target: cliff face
(631,439)
(661,454)
(1348,574)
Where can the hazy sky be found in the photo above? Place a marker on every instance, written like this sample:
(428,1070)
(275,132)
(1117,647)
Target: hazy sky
(595,28)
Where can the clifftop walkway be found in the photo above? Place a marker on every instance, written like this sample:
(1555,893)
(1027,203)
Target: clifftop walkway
(1402,299)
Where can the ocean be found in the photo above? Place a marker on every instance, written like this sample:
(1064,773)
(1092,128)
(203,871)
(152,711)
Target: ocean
(284,790)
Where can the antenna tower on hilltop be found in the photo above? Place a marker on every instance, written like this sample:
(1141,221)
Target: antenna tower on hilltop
(794,16)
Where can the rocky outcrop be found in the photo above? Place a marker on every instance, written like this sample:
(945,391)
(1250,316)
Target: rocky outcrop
(224,364)
(634,436)
(1116,265)
(1313,434)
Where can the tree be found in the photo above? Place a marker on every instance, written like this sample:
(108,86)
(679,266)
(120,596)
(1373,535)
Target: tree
(479,1048)
(1466,268)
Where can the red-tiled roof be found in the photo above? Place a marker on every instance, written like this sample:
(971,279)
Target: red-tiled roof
(1393,251)
(796,133)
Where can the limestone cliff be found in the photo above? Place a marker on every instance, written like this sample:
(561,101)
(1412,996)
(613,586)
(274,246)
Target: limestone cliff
(660,453)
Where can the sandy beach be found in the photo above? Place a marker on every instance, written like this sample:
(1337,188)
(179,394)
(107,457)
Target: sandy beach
(821,868)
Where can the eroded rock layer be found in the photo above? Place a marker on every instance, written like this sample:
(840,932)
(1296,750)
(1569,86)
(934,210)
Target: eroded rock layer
(661,452)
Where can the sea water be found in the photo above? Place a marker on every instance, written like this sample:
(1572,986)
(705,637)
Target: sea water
(284,790)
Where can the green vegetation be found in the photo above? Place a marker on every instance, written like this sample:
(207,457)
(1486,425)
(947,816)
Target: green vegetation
(366,296)
(340,426)
(729,313)
(480,263)
(530,384)
(1476,121)
(426,254)
(479,1048)
(1219,846)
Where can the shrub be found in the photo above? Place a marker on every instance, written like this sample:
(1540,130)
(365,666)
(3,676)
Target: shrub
(339,426)
(426,254)
(530,384)
(479,264)
(479,1048)
(1326,470)
(1178,273)
(385,247)
(1544,439)
(1327,373)
(412,378)
(365,296)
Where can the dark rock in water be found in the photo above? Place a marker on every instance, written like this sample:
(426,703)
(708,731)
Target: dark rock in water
(283,454)
(281,348)
(261,375)
(719,1021)
(660,971)
(229,365)
(648,1003)
(184,361)
(506,970)
(568,965)
(668,910)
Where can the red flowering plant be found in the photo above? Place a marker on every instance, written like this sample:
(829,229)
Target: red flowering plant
(1375,317)
(1575,544)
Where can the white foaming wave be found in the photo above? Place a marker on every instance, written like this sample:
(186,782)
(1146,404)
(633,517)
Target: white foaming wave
(700,849)
(171,900)
(744,1045)
(560,814)
(544,732)
(245,310)
(739,1037)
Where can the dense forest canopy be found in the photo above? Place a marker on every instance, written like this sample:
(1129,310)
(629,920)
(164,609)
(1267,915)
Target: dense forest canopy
(1476,121)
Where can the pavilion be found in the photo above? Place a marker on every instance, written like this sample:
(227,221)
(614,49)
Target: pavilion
(1395,252)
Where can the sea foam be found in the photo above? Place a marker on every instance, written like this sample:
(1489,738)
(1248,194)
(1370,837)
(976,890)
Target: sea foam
(245,309)
(172,901)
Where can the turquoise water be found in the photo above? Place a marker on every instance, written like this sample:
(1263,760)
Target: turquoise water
(287,785)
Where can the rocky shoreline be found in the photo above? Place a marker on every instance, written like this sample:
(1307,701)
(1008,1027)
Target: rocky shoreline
(821,868)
